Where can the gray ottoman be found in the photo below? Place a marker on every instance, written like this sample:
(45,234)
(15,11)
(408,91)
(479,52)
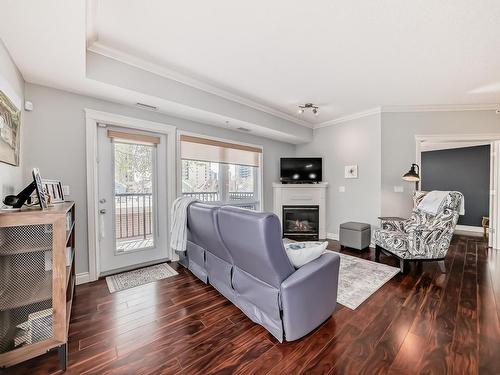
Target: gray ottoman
(355,235)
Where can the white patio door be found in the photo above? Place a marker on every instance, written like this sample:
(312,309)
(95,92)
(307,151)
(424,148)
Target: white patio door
(132,195)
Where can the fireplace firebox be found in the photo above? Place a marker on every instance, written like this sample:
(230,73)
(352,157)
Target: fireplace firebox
(301,222)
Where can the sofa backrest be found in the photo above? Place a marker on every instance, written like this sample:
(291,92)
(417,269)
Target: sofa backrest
(204,229)
(254,241)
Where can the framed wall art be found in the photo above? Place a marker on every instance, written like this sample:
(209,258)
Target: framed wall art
(10,123)
(351,171)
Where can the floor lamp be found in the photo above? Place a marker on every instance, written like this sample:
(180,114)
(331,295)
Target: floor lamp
(413,175)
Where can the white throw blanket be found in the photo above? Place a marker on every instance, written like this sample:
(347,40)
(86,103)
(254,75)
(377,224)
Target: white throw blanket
(178,217)
(433,202)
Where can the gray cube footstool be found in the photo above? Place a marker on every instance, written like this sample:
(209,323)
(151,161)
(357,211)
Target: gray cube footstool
(355,235)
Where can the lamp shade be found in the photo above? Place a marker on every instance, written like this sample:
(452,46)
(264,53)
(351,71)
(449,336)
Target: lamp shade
(413,174)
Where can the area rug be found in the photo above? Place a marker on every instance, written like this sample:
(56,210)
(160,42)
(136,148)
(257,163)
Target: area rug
(360,278)
(131,279)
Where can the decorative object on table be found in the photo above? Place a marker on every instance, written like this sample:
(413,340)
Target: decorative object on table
(54,189)
(351,171)
(131,279)
(10,123)
(360,278)
(301,253)
(422,237)
(24,197)
(355,235)
(413,175)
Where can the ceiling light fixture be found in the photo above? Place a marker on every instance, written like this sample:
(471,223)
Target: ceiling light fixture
(312,107)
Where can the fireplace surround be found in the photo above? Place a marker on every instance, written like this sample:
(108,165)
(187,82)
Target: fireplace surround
(308,203)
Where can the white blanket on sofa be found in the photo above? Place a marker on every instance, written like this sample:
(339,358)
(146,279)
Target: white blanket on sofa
(178,217)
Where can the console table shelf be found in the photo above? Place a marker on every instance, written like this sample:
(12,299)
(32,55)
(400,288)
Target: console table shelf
(37,280)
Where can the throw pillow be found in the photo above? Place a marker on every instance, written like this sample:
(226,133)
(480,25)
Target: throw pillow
(301,253)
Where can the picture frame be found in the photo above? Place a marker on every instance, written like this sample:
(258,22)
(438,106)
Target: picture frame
(53,189)
(351,171)
(10,124)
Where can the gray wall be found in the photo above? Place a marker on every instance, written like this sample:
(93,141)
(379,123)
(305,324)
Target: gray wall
(54,141)
(11,176)
(353,142)
(465,169)
(398,146)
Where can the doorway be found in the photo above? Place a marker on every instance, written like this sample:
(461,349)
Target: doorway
(132,204)
(482,203)
(130,189)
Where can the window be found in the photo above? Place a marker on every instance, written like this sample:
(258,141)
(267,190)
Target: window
(221,172)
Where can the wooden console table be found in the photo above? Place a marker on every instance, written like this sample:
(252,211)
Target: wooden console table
(37,280)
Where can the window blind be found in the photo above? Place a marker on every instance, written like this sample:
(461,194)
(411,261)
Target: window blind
(133,137)
(196,148)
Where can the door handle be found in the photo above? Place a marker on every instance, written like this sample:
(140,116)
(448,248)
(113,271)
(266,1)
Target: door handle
(102,211)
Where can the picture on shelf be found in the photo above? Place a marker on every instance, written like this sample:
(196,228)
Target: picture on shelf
(53,190)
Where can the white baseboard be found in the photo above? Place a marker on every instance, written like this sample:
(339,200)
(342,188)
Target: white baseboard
(469,228)
(332,236)
(82,278)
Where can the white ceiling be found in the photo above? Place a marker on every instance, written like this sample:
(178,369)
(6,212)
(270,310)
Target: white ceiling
(346,56)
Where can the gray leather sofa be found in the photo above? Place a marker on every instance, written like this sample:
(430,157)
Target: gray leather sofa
(241,254)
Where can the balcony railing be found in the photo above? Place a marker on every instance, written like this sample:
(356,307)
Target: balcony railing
(134,215)
(247,198)
(134,211)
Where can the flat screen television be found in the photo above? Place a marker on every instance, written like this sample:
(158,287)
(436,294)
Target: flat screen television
(300,170)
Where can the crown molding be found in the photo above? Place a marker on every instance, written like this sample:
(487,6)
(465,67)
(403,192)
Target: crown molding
(354,116)
(410,108)
(440,108)
(163,71)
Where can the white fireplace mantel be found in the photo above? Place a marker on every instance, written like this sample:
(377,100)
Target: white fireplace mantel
(301,195)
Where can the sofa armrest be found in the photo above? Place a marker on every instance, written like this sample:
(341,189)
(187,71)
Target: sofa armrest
(309,295)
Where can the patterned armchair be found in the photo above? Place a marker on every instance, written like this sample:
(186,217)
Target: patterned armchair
(423,236)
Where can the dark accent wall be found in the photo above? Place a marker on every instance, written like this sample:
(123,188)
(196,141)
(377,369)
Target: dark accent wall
(464,169)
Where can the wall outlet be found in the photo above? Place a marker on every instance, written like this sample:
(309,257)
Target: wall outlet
(65,190)
(341,189)
(399,189)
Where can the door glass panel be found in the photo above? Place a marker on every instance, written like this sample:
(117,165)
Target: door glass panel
(134,196)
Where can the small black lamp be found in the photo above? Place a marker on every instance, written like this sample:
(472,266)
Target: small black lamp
(413,175)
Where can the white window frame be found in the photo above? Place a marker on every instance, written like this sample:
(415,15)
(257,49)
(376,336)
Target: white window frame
(260,174)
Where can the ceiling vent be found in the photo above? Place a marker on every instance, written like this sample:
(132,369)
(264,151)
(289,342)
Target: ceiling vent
(243,129)
(146,106)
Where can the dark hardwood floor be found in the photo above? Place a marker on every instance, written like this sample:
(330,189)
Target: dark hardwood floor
(424,322)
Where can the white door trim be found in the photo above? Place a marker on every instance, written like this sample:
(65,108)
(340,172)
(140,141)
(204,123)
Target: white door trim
(487,138)
(92,119)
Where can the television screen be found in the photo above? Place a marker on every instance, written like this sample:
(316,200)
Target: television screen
(300,170)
